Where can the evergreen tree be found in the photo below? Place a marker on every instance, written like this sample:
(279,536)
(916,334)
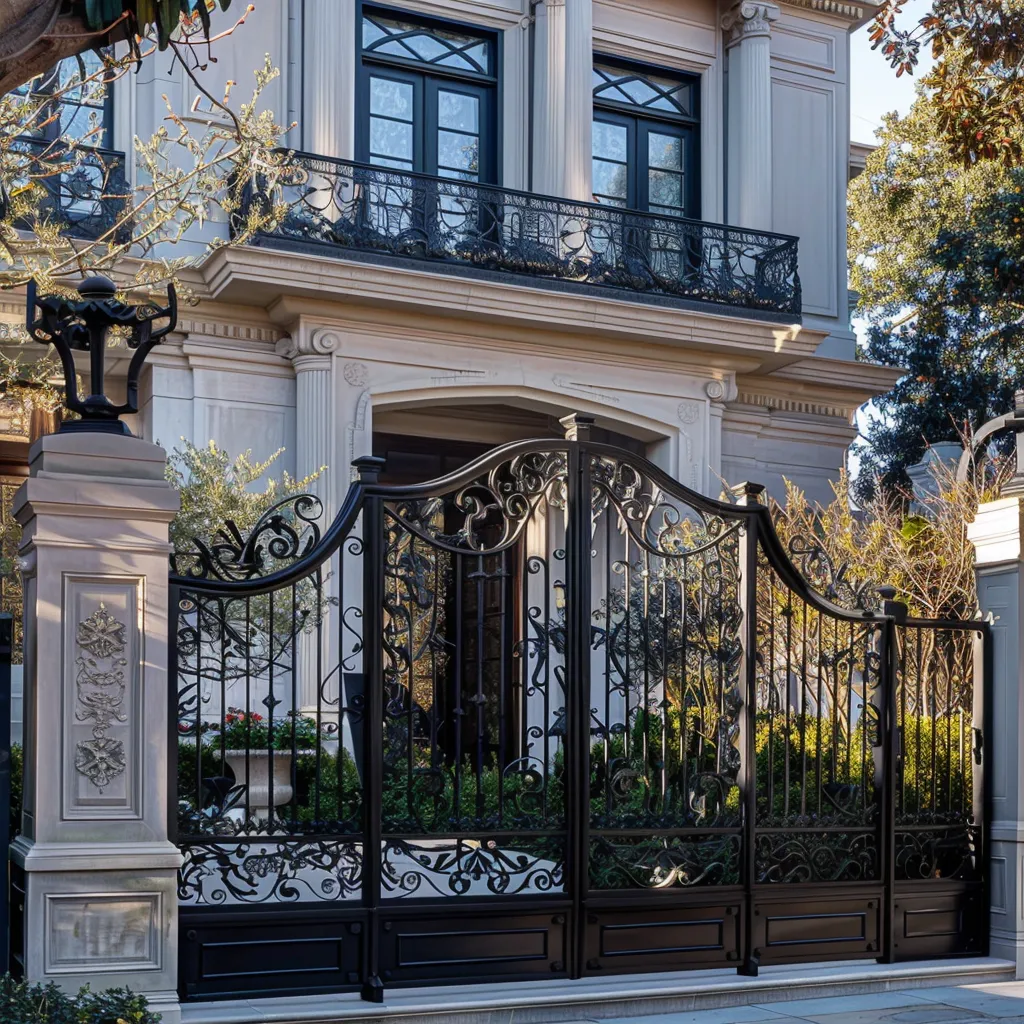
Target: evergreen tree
(937,255)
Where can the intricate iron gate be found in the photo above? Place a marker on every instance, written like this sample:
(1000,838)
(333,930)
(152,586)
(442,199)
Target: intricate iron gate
(558,715)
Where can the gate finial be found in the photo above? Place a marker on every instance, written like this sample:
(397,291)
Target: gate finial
(577,426)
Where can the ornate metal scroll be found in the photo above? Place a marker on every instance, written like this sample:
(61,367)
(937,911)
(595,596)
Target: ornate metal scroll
(379,211)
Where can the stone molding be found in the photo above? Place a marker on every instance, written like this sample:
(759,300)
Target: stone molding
(322,342)
(797,405)
(749,19)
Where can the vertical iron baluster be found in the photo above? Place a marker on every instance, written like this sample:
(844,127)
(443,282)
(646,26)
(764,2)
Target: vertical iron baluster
(293,640)
(769,678)
(818,713)
(607,737)
(684,650)
(577,665)
(479,699)
(890,667)
(318,611)
(789,709)
(919,716)
(948,659)
(749,495)
(173,721)
(369,469)
(271,703)
(457,712)
(408,605)
(805,612)
(503,696)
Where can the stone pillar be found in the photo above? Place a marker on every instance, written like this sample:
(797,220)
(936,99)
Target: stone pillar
(749,173)
(329,79)
(549,99)
(94,860)
(312,356)
(997,533)
(579,99)
(563,99)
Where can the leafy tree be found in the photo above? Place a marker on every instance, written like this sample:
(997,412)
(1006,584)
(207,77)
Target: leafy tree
(977,78)
(937,255)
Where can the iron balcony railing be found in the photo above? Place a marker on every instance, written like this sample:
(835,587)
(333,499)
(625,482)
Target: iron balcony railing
(87,193)
(379,213)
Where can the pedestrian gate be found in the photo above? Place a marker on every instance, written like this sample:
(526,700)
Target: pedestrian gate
(557,715)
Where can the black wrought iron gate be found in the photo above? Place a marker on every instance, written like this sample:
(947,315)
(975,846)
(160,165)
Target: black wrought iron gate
(558,715)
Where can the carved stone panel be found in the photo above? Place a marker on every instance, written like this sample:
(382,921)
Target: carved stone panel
(95,933)
(101,659)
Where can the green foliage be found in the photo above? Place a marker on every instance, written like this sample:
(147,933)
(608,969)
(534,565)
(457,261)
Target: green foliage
(22,1003)
(937,256)
(977,78)
(216,489)
(253,731)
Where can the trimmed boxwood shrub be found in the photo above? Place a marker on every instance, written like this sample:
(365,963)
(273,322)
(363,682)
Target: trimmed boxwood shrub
(21,1003)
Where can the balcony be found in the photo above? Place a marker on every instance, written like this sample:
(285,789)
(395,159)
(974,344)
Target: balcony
(86,190)
(380,215)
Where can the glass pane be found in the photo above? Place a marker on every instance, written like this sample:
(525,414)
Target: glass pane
(448,172)
(390,138)
(652,91)
(638,91)
(666,189)
(458,151)
(610,140)
(665,151)
(429,45)
(610,179)
(459,111)
(391,98)
(383,161)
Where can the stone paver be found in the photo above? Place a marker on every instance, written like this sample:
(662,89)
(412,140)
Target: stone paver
(969,1004)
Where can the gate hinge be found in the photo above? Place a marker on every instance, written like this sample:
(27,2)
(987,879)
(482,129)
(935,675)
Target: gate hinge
(979,744)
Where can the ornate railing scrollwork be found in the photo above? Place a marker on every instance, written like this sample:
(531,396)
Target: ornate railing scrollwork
(383,212)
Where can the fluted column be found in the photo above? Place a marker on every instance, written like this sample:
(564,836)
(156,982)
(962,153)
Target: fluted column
(328,102)
(579,99)
(749,179)
(312,356)
(549,99)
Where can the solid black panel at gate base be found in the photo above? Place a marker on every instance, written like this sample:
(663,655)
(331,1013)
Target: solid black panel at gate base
(250,952)
(932,919)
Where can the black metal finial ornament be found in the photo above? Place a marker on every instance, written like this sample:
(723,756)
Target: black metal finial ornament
(82,326)
(1008,421)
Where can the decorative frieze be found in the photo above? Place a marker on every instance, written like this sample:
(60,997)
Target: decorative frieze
(102,686)
(782,404)
(100,683)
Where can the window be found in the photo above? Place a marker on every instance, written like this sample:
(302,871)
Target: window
(645,140)
(83,108)
(427,97)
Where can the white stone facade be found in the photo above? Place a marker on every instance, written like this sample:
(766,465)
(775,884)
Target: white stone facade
(313,353)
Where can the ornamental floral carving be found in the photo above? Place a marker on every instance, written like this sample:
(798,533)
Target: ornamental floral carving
(100,685)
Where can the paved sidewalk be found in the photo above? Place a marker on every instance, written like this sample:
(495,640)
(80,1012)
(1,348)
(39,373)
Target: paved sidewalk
(1001,1003)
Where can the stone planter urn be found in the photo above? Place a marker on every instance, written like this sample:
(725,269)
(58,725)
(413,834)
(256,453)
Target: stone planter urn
(257,782)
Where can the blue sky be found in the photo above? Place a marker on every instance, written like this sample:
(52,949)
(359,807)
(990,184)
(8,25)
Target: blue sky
(874,87)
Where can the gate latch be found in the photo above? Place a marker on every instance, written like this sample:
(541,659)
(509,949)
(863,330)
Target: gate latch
(979,743)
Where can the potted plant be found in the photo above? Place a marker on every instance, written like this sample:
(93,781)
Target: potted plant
(251,745)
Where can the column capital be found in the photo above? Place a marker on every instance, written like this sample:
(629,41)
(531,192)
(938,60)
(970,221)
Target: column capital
(322,342)
(747,19)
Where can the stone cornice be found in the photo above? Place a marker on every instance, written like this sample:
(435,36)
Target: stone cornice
(856,14)
(290,285)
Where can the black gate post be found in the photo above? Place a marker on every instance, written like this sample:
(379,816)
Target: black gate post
(749,494)
(369,469)
(6,649)
(577,674)
(889,669)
